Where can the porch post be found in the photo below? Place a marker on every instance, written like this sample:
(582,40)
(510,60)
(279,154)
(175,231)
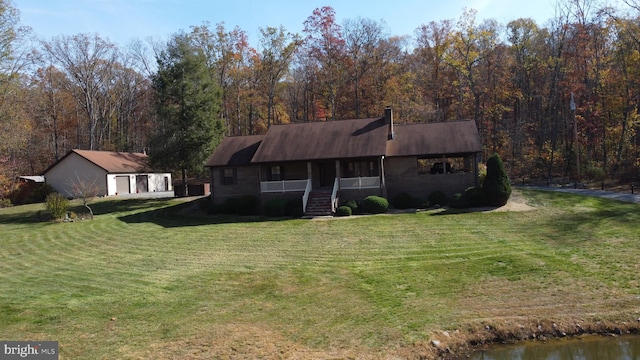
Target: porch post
(476,170)
(211,184)
(338,169)
(383,182)
(310,172)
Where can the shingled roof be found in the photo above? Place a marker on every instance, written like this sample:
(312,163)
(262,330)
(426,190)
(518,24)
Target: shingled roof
(235,151)
(112,162)
(323,140)
(429,139)
(347,139)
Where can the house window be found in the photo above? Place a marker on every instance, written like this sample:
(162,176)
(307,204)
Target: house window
(434,166)
(360,169)
(229,176)
(275,173)
(449,165)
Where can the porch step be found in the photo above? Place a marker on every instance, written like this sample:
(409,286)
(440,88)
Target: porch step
(319,204)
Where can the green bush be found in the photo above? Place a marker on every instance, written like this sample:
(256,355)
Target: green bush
(217,208)
(204,204)
(297,212)
(5,203)
(343,211)
(275,208)
(496,186)
(375,204)
(294,208)
(437,198)
(458,201)
(30,193)
(56,205)
(596,173)
(353,204)
(474,196)
(246,205)
(224,207)
(243,206)
(404,201)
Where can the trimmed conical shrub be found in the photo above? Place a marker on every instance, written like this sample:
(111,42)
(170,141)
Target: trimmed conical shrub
(496,187)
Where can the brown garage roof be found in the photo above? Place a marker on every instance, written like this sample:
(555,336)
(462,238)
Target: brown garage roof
(112,162)
(442,138)
(323,140)
(235,151)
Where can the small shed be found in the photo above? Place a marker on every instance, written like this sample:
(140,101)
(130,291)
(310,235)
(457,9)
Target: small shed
(195,187)
(113,173)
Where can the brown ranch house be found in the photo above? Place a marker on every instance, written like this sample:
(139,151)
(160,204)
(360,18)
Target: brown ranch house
(323,163)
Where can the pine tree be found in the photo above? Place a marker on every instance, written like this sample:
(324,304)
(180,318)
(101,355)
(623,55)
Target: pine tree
(496,186)
(188,102)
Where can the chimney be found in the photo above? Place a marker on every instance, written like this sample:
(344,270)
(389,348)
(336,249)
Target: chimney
(388,117)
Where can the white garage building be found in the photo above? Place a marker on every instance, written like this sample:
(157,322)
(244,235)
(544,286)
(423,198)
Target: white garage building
(113,173)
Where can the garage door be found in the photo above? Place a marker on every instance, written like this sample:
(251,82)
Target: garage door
(122,185)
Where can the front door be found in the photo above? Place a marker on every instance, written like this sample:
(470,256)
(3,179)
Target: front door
(327,174)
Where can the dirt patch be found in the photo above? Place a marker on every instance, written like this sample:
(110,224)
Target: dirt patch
(253,341)
(479,335)
(516,203)
(250,341)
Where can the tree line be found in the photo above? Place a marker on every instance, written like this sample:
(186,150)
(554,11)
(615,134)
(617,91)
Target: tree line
(558,99)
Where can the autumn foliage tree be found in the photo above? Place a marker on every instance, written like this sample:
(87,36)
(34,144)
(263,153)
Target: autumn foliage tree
(326,51)
(514,79)
(278,50)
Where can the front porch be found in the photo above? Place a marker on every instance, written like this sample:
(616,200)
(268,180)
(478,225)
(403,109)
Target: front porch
(321,182)
(321,200)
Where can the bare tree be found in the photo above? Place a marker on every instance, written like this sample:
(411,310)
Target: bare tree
(88,60)
(326,47)
(85,190)
(278,49)
(362,39)
(434,78)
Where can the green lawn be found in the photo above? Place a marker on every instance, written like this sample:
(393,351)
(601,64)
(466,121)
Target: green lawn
(147,280)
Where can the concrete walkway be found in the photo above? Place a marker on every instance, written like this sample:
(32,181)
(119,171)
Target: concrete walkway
(626,197)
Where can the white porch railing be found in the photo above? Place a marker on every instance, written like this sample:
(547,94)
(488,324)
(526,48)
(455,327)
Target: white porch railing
(358,183)
(305,197)
(283,186)
(334,195)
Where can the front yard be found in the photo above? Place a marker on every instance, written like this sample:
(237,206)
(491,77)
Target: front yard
(147,280)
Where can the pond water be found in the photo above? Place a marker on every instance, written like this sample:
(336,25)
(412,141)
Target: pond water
(583,348)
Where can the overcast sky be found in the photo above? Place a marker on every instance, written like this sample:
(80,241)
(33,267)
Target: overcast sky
(124,20)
